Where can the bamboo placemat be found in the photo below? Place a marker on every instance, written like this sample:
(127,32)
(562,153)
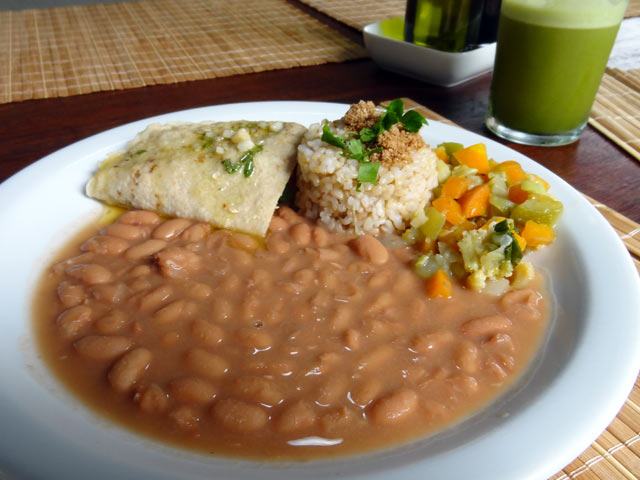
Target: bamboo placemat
(616,110)
(616,453)
(70,50)
(633,9)
(359,13)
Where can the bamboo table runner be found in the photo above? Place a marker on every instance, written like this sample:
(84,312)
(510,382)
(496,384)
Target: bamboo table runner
(616,110)
(633,10)
(71,50)
(616,453)
(360,13)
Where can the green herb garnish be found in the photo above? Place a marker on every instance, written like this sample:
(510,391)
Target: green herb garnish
(501,227)
(367,134)
(368,172)
(412,121)
(206,141)
(512,252)
(140,152)
(516,251)
(245,163)
(329,137)
(361,145)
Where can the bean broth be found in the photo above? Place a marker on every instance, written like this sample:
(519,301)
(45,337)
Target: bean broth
(304,345)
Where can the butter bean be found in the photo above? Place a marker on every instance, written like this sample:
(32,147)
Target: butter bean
(171,228)
(484,326)
(105,245)
(257,389)
(151,399)
(145,249)
(176,262)
(192,390)
(206,333)
(139,217)
(91,274)
(71,294)
(129,369)
(298,416)
(394,407)
(102,347)
(206,363)
(368,247)
(300,234)
(73,320)
(239,417)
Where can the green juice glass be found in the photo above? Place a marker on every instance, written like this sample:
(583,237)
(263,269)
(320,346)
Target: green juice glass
(550,58)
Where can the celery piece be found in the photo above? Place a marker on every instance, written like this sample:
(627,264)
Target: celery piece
(426,265)
(418,218)
(498,184)
(499,193)
(435,221)
(539,208)
(451,147)
(463,171)
(443,170)
(412,236)
(532,186)
(502,204)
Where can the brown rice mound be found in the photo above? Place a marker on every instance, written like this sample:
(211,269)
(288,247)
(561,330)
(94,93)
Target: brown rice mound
(327,187)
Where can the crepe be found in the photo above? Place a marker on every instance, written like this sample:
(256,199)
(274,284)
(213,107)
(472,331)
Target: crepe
(230,174)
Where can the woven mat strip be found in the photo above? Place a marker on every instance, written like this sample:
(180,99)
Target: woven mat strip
(616,110)
(359,13)
(616,453)
(71,50)
(633,9)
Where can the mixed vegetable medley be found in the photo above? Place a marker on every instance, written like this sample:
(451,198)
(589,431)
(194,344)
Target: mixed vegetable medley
(483,218)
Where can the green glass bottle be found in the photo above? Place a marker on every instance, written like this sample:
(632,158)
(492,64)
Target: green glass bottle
(448,25)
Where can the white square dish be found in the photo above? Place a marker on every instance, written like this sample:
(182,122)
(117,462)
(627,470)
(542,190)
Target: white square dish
(386,47)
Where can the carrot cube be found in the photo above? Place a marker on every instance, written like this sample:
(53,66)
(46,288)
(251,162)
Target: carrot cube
(475,202)
(474,156)
(536,234)
(450,209)
(517,194)
(439,285)
(455,187)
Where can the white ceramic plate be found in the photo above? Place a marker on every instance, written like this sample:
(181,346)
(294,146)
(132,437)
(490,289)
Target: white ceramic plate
(577,384)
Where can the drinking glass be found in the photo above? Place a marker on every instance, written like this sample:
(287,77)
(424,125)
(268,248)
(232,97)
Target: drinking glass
(550,58)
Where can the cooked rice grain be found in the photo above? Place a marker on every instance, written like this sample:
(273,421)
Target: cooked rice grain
(327,184)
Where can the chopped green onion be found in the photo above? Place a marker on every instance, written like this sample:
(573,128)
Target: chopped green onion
(368,172)
(501,227)
(330,138)
(245,163)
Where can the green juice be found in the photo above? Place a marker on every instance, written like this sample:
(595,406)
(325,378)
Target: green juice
(546,73)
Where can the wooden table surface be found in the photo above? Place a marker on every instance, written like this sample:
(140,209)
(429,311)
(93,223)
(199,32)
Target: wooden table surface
(32,129)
